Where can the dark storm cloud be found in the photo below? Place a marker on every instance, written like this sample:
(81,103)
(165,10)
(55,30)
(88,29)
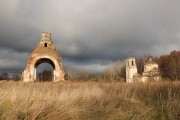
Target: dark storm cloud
(89,33)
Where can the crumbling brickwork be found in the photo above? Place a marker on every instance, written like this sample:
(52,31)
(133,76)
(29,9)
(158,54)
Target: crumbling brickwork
(45,52)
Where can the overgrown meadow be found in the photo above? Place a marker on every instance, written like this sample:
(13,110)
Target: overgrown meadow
(89,101)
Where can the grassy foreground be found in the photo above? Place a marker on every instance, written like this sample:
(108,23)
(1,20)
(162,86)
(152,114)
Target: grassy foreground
(89,101)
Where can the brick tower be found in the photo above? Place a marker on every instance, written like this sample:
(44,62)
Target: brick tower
(131,69)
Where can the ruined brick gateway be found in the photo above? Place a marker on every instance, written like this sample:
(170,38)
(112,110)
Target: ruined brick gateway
(45,52)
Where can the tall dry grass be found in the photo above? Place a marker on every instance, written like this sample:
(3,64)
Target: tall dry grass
(89,100)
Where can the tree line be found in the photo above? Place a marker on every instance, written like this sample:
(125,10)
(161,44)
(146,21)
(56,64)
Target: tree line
(6,76)
(169,66)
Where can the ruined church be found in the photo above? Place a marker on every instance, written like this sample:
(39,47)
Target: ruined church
(45,52)
(150,73)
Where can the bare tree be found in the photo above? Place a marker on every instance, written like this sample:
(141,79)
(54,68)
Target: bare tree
(16,77)
(71,74)
(45,76)
(4,76)
(114,71)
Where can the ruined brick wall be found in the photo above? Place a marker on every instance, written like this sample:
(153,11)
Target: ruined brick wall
(44,52)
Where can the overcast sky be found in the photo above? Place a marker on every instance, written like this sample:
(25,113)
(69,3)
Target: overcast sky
(88,34)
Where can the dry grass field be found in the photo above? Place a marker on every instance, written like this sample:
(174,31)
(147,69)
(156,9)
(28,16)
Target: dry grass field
(89,101)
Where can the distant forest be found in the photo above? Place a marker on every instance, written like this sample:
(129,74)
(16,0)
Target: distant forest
(169,66)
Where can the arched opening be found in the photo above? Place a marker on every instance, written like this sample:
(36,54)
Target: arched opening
(44,70)
(45,44)
(132,62)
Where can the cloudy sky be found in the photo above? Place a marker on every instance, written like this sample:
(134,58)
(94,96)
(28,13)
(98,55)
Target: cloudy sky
(88,34)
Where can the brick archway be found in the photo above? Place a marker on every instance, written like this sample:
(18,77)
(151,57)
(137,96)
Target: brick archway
(45,59)
(45,52)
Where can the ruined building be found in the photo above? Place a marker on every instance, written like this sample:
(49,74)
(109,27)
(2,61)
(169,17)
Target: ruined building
(150,73)
(45,52)
(131,69)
